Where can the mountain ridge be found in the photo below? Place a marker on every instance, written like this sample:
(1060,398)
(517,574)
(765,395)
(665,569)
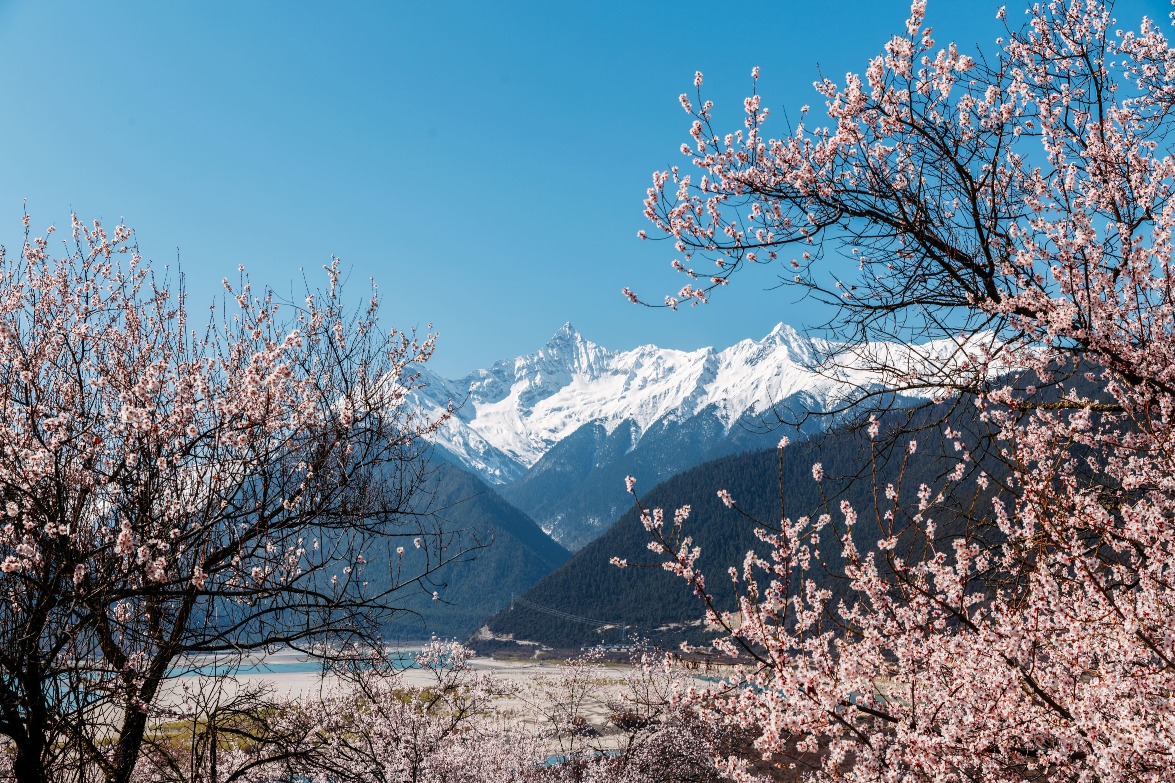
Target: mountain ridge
(649,409)
(521,407)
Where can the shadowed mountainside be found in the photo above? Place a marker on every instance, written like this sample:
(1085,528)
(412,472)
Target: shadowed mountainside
(515,554)
(588,601)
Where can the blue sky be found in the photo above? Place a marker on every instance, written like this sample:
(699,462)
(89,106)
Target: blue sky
(485,162)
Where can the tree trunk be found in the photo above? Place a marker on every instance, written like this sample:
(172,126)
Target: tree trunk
(27,765)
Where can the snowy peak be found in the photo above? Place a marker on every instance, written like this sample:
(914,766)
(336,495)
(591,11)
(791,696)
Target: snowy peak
(801,347)
(515,411)
(564,356)
(566,334)
(782,333)
(567,351)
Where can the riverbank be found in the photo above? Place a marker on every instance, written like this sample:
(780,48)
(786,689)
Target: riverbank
(531,692)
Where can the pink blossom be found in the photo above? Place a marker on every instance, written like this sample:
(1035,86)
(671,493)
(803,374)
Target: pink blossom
(136,440)
(1025,190)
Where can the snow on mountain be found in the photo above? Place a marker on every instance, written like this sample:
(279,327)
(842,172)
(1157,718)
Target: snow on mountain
(510,414)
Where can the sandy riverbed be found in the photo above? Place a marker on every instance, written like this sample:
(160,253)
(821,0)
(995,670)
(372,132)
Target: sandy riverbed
(286,674)
(290,674)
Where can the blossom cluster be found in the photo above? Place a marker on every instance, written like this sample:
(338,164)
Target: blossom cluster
(1028,193)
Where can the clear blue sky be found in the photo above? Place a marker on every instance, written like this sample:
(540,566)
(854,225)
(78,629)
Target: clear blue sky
(485,162)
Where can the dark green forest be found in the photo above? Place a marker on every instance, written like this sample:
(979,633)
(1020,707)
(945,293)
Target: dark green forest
(505,554)
(647,599)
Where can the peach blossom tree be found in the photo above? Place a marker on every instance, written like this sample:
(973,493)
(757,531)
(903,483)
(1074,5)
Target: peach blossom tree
(1018,207)
(176,487)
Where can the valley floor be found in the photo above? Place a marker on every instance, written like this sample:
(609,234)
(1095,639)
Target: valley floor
(287,674)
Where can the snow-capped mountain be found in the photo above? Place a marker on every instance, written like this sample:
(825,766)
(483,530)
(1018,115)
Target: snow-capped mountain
(676,408)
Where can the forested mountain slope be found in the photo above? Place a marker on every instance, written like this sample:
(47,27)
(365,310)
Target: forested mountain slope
(509,553)
(589,601)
